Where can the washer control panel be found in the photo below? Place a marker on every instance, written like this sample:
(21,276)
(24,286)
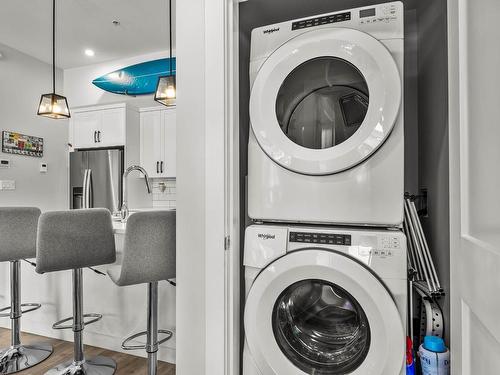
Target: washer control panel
(390,243)
(387,246)
(376,252)
(321,238)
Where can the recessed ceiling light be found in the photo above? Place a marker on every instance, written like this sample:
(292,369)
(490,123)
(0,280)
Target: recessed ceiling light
(89,52)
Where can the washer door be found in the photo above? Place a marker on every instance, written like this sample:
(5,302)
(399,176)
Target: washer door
(320,312)
(325,101)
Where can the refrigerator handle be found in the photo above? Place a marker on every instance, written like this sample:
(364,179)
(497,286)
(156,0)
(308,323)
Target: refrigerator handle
(90,198)
(87,189)
(85,174)
(95,136)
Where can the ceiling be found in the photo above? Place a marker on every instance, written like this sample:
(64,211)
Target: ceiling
(81,24)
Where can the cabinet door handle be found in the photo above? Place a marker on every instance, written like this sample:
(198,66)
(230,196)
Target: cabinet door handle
(99,136)
(95,136)
(161,166)
(157,167)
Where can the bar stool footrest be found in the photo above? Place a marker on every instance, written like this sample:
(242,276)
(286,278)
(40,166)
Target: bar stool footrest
(94,318)
(31,307)
(4,315)
(126,346)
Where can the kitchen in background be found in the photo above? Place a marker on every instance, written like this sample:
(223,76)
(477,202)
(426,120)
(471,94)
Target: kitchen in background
(164,193)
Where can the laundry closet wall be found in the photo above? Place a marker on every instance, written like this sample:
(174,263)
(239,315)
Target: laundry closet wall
(433,134)
(426,150)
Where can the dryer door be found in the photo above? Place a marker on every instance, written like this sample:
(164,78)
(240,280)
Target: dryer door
(321,312)
(325,101)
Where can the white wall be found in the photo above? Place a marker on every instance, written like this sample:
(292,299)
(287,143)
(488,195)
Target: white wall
(201,205)
(22,80)
(81,92)
(191,245)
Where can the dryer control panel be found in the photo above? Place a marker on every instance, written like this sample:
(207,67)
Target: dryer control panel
(322,20)
(321,238)
(383,13)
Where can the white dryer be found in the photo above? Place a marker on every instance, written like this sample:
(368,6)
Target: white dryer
(324,301)
(326,142)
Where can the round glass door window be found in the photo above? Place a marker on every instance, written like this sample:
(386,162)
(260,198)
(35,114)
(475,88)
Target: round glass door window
(321,328)
(322,102)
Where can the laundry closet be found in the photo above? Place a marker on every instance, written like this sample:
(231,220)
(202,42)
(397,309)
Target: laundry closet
(361,205)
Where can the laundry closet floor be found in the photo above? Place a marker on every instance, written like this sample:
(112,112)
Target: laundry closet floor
(63,350)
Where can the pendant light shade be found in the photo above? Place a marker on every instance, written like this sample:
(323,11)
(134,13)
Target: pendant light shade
(166,89)
(53,105)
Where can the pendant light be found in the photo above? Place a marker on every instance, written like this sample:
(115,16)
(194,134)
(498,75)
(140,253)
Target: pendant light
(166,90)
(53,105)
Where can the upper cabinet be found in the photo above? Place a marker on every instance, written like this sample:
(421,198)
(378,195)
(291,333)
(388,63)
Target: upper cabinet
(158,140)
(95,127)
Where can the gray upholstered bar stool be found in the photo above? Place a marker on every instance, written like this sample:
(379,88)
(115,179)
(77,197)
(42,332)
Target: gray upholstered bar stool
(18,227)
(148,257)
(73,240)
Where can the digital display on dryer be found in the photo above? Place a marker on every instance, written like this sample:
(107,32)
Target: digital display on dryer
(321,238)
(367,13)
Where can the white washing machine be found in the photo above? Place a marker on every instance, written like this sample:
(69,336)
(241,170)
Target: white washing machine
(324,301)
(326,111)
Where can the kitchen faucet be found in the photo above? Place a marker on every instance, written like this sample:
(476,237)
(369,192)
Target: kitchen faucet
(124,212)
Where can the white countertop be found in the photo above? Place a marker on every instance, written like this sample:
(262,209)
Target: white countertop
(120,228)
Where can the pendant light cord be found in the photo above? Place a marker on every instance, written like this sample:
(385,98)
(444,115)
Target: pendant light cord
(53,46)
(170,32)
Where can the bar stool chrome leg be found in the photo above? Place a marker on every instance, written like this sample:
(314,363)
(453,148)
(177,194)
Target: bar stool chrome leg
(20,357)
(79,365)
(152,335)
(152,341)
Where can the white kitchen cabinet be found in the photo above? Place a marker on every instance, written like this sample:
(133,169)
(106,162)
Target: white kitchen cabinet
(84,126)
(112,127)
(95,127)
(151,142)
(169,143)
(158,153)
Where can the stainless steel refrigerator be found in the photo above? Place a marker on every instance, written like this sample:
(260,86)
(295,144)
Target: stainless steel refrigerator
(96,179)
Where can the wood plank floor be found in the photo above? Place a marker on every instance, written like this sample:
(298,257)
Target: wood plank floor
(63,350)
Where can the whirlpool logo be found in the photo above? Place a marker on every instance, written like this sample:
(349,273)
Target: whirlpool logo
(266,236)
(270,31)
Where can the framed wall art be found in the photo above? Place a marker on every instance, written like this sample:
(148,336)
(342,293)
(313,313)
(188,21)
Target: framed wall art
(21,144)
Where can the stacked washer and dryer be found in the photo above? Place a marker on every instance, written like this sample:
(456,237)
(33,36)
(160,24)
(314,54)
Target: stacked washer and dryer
(325,260)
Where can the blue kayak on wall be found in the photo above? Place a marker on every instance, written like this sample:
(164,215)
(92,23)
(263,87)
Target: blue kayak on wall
(138,79)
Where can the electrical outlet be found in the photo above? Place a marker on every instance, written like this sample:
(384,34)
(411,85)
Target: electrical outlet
(8,185)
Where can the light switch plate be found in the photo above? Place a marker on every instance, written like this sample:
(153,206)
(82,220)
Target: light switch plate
(8,185)
(43,167)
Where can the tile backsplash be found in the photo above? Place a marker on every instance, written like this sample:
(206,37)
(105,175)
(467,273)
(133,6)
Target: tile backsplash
(164,193)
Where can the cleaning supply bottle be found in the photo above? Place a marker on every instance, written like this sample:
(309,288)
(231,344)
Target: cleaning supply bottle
(434,356)
(410,363)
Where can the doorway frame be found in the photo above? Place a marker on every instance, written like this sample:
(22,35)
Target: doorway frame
(208,221)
